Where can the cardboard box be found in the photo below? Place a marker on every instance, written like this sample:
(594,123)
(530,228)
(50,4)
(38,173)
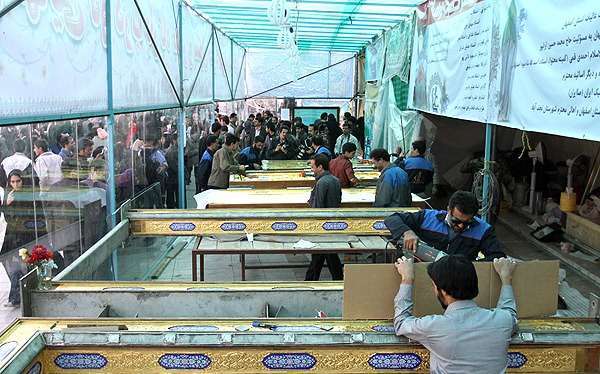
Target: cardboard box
(369,289)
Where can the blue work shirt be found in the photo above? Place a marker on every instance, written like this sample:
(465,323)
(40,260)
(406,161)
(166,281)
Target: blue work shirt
(393,188)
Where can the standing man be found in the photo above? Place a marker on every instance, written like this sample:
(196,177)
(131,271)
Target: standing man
(319,147)
(347,137)
(418,168)
(251,156)
(327,193)
(341,166)
(467,338)
(393,187)
(456,231)
(18,160)
(47,165)
(204,167)
(224,164)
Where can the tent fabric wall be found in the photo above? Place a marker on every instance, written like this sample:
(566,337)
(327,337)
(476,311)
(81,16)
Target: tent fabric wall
(139,79)
(266,69)
(197,54)
(45,58)
(222,58)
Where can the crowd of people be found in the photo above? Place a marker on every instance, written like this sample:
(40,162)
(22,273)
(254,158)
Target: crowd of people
(44,170)
(263,136)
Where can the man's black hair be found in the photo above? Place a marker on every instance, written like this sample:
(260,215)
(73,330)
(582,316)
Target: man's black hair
(380,154)
(464,201)
(324,116)
(19,146)
(271,126)
(259,139)
(211,139)
(215,127)
(42,144)
(84,143)
(321,160)
(420,146)
(317,140)
(348,147)
(284,128)
(455,275)
(231,139)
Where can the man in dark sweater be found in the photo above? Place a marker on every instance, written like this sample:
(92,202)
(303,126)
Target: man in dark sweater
(327,193)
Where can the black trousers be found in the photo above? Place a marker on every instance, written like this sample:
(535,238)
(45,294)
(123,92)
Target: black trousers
(316,264)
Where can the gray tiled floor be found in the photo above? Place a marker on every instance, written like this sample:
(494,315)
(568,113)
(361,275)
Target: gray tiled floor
(7,315)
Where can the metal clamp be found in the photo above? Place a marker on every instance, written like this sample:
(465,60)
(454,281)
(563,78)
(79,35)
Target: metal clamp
(594,307)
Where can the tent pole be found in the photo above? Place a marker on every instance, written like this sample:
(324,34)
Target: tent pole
(489,128)
(181,120)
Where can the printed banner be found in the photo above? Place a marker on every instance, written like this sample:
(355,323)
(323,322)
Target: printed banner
(451,58)
(527,64)
(548,66)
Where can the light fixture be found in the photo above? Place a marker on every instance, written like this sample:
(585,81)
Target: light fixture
(278,12)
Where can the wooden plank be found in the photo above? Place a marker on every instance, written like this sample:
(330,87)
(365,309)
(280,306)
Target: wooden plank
(584,230)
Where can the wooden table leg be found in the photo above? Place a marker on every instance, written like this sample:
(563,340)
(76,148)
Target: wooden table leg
(194,270)
(243,260)
(202,267)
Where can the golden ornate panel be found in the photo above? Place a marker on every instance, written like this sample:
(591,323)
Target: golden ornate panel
(315,226)
(414,359)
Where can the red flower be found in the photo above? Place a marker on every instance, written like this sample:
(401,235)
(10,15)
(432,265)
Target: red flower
(39,253)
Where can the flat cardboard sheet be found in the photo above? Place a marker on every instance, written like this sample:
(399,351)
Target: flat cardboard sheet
(369,289)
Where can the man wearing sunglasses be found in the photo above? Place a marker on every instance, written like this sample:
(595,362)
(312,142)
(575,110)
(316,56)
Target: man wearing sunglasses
(456,231)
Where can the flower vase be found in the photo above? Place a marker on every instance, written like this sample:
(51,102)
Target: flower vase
(44,275)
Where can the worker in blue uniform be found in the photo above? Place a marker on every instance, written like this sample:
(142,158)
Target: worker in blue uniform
(456,231)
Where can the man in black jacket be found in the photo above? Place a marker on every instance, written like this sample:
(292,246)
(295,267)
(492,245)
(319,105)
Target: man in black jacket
(284,148)
(205,166)
(456,231)
(327,193)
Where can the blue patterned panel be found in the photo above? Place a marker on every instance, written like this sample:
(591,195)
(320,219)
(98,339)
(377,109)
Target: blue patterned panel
(182,226)
(184,361)
(379,225)
(516,360)
(383,328)
(335,226)
(30,225)
(80,361)
(395,361)
(193,328)
(233,226)
(35,369)
(284,226)
(289,361)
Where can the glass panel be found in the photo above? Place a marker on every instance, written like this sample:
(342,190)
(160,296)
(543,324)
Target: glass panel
(145,158)
(47,51)
(203,89)
(198,121)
